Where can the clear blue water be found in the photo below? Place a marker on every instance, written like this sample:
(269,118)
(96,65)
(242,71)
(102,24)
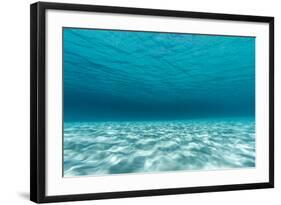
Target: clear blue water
(152,102)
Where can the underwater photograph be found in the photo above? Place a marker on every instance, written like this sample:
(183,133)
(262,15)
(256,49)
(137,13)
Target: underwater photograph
(140,102)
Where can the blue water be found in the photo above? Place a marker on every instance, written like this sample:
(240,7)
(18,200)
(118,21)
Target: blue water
(152,102)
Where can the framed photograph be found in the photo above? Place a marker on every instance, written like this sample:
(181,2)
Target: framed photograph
(129,102)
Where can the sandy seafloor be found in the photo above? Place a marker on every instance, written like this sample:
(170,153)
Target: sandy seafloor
(98,148)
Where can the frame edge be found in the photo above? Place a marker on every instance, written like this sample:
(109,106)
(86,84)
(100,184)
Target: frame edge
(153,12)
(271,102)
(37,102)
(155,192)
(33,103)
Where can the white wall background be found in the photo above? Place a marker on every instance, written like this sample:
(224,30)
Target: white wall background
(14,101)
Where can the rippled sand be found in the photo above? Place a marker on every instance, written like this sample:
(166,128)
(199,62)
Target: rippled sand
(95,148)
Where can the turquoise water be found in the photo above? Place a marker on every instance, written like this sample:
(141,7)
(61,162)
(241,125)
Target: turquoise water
(137,102)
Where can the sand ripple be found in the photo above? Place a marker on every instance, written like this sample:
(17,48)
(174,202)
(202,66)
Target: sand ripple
(94,148)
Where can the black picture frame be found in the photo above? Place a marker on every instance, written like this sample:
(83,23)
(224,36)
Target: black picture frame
(38,101)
